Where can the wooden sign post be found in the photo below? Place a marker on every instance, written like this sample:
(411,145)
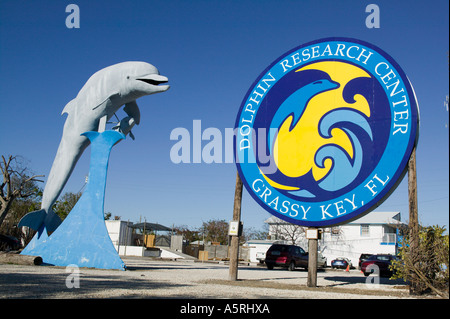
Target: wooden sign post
(413,211)
(312,234)
(234,247)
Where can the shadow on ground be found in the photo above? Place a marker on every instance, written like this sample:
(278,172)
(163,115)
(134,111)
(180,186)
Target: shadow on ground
(348,280)
(26,285)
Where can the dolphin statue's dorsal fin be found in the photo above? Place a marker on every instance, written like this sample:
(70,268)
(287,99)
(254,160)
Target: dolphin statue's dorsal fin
(69,106)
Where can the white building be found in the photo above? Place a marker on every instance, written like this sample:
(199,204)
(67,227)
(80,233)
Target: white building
(121,234)
(374,233)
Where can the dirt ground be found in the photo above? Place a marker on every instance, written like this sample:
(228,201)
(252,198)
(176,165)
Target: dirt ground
(150,278)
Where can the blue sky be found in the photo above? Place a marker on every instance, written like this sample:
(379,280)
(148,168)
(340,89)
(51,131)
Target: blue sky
(211,51)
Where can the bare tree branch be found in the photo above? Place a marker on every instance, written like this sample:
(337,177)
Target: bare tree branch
(16,183)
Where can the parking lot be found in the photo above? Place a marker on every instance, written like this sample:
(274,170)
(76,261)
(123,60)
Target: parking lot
(152,278)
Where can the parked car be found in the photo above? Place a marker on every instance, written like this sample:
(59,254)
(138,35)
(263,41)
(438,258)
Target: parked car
(289,256)
(341,263)
(260,257)
(8,243)
(383,261)
(321,261)
(362,258)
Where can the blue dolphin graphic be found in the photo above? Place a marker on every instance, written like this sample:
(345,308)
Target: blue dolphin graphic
(295,105)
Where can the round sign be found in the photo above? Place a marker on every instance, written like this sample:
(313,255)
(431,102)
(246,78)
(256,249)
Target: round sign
(325,133)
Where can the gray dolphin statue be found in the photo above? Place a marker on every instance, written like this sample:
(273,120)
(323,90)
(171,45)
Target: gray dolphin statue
(104,93)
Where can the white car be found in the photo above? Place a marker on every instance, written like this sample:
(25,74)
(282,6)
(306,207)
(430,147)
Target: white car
(261,256)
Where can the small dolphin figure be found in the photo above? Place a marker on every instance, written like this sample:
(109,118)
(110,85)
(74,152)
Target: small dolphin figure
(103,94)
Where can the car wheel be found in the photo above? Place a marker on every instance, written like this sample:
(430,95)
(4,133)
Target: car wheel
(269,266)
(291,266)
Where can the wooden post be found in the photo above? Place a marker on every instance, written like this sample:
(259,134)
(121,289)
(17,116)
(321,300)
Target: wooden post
(413,211)
(234,247)
(10,258)
(312,259)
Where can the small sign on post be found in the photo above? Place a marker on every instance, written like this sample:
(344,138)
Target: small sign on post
(312,233)
(235,228)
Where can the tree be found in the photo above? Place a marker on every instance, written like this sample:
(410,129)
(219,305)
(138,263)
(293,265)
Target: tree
(251,233)
(216,231)
(19,208)
(283,230)
(428,270)
(188,234)
(64,205)
(18,183)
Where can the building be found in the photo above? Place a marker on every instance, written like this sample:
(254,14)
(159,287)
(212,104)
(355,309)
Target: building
(131,239)
(374,233)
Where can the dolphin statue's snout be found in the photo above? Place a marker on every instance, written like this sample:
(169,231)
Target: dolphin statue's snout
(101,97)
(154,80)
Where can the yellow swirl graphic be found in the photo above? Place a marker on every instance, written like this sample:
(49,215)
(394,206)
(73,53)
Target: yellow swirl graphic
(294,151)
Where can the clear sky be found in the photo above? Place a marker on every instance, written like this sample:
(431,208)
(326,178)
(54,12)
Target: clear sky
(211,51)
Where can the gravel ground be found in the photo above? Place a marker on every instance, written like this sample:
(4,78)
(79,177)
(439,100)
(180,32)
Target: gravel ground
(150,278)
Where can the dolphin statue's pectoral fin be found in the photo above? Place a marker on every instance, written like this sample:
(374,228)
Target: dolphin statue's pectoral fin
(110,97)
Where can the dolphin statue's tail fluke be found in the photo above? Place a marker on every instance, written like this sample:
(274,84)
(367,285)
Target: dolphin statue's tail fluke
(52,221)
(34,220)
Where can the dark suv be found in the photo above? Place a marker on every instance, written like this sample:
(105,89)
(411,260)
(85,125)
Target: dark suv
(289,256)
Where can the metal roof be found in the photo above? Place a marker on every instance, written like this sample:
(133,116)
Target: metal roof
(150,226)
(375,217)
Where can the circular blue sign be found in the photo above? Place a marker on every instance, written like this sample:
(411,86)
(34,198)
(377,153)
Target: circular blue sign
(324,134)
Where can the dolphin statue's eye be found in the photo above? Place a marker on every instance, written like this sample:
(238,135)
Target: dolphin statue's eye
(128,77)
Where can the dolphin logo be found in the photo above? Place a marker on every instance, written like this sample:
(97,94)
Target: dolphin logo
(103,94)
(295,105)
(311,138)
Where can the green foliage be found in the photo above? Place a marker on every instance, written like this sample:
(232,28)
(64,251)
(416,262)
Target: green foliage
(426,268)
(215,231)
(64,205)
(187,233)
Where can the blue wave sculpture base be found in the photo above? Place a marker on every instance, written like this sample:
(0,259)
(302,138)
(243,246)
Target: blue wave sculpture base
(82,239)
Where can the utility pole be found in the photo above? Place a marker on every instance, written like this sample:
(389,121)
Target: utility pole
(413,211)
(234,247)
